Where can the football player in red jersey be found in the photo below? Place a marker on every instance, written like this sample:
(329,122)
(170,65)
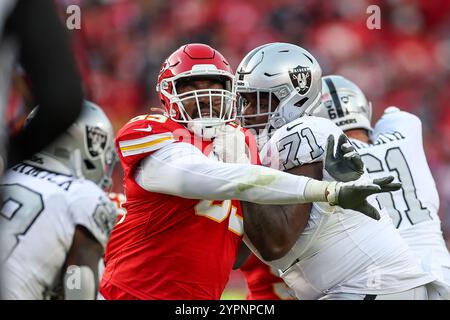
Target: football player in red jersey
(181,232)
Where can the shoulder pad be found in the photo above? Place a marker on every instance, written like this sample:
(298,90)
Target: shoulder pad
(299,142)
(91,208)
(395,121)
(144,135)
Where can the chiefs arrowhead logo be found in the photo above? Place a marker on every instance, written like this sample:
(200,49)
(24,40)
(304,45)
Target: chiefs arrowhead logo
(301,79)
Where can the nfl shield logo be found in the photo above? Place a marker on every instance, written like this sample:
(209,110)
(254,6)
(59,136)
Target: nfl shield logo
(301,79)
(96,140)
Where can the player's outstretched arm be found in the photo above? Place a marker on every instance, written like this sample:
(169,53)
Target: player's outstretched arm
(81,266)
(351,196)
(182,170)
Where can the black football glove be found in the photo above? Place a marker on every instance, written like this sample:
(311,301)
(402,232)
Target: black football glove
(352,195)
(346,165)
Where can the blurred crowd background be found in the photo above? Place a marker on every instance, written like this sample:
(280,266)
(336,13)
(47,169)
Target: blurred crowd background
(122,43)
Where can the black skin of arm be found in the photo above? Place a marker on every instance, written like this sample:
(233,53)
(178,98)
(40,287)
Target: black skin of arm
(56,86)
(273,229)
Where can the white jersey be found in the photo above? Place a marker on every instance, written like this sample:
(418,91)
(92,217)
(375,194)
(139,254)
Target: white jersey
(397,150)
(343,252)
(38,218)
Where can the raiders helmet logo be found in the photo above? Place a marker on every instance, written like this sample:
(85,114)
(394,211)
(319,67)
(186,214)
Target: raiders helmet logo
(301,79)
(96,140)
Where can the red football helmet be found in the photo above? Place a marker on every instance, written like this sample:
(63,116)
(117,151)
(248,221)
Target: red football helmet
(199,61)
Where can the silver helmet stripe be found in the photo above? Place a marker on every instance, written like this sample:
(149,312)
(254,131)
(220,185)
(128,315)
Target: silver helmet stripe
(341,93)
(335,97)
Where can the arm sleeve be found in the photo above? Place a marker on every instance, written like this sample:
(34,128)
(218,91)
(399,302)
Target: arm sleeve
(182,170)
(46,57)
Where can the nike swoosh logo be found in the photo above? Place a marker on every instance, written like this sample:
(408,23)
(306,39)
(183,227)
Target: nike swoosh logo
(290,128)
(271,75)
(148,129)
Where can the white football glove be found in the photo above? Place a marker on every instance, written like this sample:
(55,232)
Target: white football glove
(229,145)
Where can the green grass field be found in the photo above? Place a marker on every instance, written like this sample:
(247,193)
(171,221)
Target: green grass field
(234,294)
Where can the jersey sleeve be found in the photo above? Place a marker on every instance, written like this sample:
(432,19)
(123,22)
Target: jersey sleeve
(91,208)
(145,134)
(299,142)
(403,124)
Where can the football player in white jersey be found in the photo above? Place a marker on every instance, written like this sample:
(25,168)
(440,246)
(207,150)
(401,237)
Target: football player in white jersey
(394,146)
(55,217)
(336,253)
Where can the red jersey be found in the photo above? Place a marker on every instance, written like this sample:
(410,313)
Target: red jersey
(168,247)
(263,282)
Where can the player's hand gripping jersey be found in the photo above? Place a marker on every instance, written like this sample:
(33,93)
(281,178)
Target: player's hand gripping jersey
(168,247)
(38,218)
(339,250)
(397,149)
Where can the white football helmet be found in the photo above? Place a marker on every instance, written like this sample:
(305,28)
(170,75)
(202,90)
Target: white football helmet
(287,71)
(344,103)
(86,149)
